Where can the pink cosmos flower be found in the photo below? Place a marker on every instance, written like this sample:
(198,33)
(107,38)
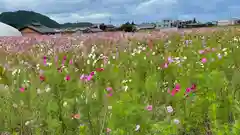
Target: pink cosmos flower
(193,87)
(108,130)
(201,51)
(64,57)
(177,87)
(45,60)
(89,77)
(83,77)
(105,60)
(76,116)
(64,60)
(110,94)
(22,89)
(213,49)
(175,90)
(109,88)
(92,73)
(204,60)
(71,62)
(188,90)
(86,77)
(67,78)
(165,65)
(170,60)
(149,107)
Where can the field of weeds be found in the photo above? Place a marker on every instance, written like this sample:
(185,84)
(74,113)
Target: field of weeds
(184,83)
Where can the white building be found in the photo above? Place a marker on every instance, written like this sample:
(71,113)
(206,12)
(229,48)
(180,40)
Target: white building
(228,22)
(166,23)
(7,30)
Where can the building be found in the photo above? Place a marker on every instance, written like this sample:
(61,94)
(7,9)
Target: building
(108,27)
(37,29)
(214,22)
(67,31)
(7,30)
(78,31)
(232,21)
(92,30)
(236,21)
(225,22)
(96,25)
(158,25)
(166,23)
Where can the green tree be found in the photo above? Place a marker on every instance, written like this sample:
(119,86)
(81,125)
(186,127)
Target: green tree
(127,27)
(21,18)
(194,20)
(103,26)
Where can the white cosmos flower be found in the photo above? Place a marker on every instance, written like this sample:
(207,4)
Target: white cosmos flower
(137,127)
(109,107)
(88,62)
(176,121)
(47,89)
(65,103)
(225,53)
(125,88)
(169,109)
(39,91)
(27,123)
(224,49)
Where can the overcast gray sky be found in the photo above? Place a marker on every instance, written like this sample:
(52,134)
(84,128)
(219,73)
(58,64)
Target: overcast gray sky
(120,11)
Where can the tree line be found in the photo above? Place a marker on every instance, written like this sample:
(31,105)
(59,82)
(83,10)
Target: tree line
(127,27)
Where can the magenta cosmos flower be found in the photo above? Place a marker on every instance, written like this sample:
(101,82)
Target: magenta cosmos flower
(67,78)
(149,107)
(204,60)
(22,89)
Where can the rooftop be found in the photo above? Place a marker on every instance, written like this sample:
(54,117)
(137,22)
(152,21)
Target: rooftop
(38,27)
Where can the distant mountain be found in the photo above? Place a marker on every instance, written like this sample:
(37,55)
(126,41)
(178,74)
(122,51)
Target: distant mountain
(21,18)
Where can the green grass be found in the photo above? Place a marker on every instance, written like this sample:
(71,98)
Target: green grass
(46,103)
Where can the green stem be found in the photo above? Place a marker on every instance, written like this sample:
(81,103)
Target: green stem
(91,125)
(103,122)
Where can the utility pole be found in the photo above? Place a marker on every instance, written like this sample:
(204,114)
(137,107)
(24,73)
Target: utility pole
(110,20)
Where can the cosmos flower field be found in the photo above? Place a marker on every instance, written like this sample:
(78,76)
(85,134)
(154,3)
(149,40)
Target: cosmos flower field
(180,83)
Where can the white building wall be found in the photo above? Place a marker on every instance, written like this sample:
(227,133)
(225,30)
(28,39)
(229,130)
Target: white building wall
(225,22)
